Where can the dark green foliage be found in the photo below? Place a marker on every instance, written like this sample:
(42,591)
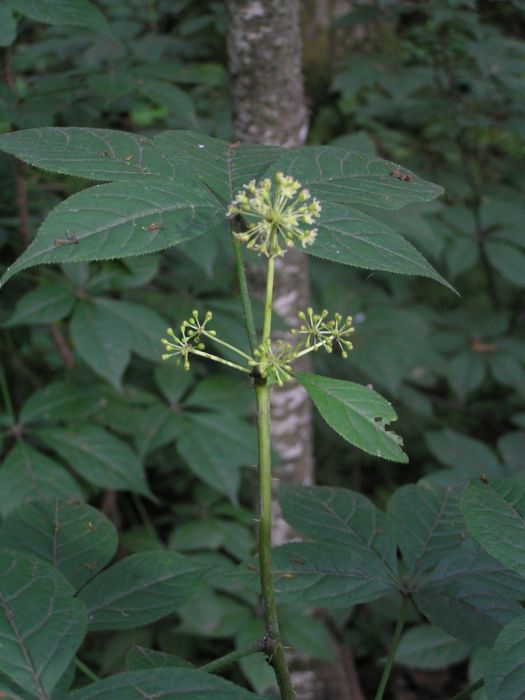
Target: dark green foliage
(104,92)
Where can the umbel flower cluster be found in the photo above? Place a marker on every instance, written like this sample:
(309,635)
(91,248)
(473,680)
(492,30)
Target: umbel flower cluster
(277,215)
(272,360)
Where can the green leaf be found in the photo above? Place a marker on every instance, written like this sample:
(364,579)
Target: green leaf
(308,635)
(75,538)
(26,474)
(329,576)
(145,327)
(426,523)
(338,516)
(159,426)
(466,372)
(45,304)
(230,444)
(350,237)
(187,683)
(495,515)
(462,452)
(140,589)
(102,340)
(98,457)
(511,446)
(357,413)
(139,658)
(41,624)
(78,13)
(165,94)
(470,595)
(59,401)
(508,260)
(505,675)
(111,220)
(347,177)
(429,648)
(7,26)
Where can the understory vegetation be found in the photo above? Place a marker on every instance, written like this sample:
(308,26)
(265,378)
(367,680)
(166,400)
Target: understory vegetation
(128,486)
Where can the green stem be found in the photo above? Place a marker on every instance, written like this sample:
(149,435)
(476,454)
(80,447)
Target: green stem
(277,655)
(245,295)
(317,345)
(467,692)
(267,328)
(144,515)
(233,657)
(215,358)
(226,345)
(85,670)
(393,649)
(4,389)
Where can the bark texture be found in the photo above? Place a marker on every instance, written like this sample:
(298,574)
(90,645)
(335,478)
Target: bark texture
(264,46)
(269,107)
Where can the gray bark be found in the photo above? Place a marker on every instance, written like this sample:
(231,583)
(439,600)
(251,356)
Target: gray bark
(269,107)
(264,46)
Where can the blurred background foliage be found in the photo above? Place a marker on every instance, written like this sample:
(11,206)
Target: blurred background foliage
(437,86)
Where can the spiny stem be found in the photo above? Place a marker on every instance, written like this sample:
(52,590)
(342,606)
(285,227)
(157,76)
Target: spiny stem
(277,656)
(226,345)
(215,358)
(468,692)
(86,670)
(245,295)
(267,329)
(393,649)
(233,657)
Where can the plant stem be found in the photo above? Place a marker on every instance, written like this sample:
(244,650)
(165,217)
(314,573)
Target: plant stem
(215,358)
(467,692)
(226,345)
(245,296)
(4,389)
(85,670)
(267,328)
(393,649)
(233,656)
(277,656)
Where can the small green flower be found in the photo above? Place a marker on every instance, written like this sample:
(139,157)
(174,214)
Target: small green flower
(277,215)
(181,346)
(322,333)
(274,361)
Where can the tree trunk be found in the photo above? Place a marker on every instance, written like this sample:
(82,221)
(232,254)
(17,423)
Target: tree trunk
(265,55)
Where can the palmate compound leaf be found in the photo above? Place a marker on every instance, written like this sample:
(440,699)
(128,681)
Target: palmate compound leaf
(338,516)
(357,413)
(140,589)
(495,515)
(505,676)
(164,684)
(75,538)
(41,624)
(190,165)
(470,595)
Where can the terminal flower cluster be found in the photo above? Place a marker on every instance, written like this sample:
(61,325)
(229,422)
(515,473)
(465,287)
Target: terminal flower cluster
(277,215)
